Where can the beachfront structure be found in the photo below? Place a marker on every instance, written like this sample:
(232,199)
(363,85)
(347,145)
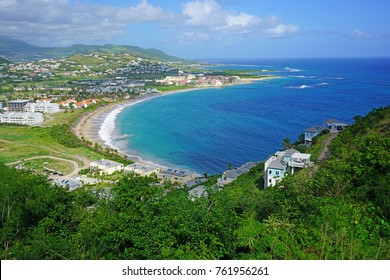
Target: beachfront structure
(42,107)
(142,169)
(17,105)
(176,175)
(106,167)
(282,163)
(72,184)
(197,192)
(312,132)
(335,125)
(231,175)
(21,118)
(196,182)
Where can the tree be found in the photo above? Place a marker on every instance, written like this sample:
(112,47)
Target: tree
(286,143)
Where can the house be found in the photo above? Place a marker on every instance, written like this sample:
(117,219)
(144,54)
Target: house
(142,169)
(72,184)
(335,125)
(230,175)
(282,163)
(43,100)
(312,132)
(196,182)
(176,175)
(197,192)
(105,166)
(66,103)
(79,105)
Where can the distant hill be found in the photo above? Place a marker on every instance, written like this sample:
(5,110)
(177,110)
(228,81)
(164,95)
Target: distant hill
(2,60)
(18,50)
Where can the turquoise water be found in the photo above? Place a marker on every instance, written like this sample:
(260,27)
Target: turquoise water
(204,130)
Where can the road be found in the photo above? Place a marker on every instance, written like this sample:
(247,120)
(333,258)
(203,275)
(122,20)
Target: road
(75,164)
(325,151)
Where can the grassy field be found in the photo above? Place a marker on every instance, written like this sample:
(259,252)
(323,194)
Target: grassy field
(40,164)
(20,142)
(63,118)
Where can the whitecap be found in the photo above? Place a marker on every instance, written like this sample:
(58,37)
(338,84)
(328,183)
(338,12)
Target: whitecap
(292,69)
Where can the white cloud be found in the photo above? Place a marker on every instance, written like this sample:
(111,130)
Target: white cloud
(190,36)
(202,13)
(360,34)
(60,22)
(357,33)
(282,30)
(143,12)
(63,22)
(210,16)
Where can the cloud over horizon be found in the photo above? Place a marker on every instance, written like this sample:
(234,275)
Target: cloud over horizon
(65,22)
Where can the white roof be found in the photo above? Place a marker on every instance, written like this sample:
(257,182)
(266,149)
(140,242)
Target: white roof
(301,156)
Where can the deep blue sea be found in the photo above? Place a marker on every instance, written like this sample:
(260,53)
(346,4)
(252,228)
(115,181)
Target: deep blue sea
(204,130)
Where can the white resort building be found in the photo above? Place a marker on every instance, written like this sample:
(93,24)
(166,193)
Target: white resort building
(282,163)
(106,167)
(42,107)
(142,169)
(21,118)
(176,175)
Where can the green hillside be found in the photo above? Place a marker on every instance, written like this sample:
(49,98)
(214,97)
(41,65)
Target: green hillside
(338,210)
(17,50)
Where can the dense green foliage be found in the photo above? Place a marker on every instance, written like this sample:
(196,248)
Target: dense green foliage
(63,135)
(337,210)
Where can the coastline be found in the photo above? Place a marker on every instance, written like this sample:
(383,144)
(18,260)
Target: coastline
(97,126)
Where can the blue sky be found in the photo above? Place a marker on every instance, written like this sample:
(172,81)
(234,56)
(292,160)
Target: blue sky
(207,28)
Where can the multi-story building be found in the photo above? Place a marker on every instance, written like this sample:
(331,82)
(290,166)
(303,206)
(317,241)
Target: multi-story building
(176,175)
(282,163)
(142,169)
(231,175)
(312,132)
(17,105)
(21,118)
(42,107)
(105,166)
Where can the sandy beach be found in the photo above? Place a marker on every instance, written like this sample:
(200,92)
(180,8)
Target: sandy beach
(97,126)
(90,124)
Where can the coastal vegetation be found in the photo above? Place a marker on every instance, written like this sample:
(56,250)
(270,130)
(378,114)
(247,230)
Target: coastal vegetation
(338,209)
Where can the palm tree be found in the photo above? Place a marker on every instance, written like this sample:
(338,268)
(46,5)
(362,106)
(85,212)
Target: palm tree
(286,143)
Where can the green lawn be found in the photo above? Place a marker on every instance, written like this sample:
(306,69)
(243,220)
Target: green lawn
(21,142)
(39,164)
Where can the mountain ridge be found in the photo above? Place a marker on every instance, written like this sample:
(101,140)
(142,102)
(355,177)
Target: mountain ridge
(17,50)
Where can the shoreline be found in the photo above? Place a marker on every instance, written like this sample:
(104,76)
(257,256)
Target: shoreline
(97,126)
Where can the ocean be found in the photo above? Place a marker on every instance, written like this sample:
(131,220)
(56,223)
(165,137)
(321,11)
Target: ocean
(205,130)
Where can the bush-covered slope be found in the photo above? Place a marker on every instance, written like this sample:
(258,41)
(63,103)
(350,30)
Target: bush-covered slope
(338,210)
